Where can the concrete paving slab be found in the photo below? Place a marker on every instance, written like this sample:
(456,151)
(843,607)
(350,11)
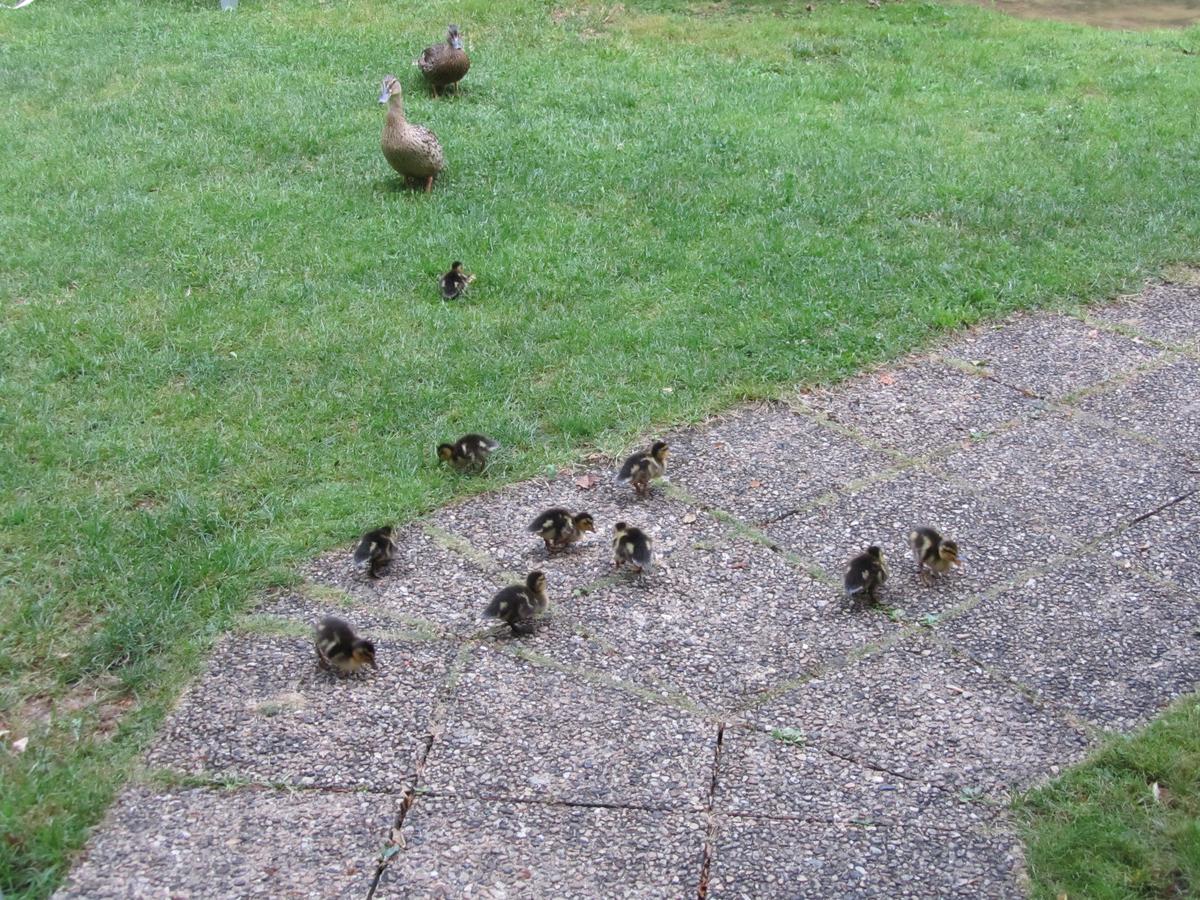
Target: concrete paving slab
(1165,312)
(494,524)
(1105,643)
(1076,478)
(516,730)
(197,842)
(919,407)
(761,461)
(995,543)
(1163,404)
(780,774)
(721,620)
(756,858)
(1163,545)
(484,848)
(264,712)
(923,713)
(426,582)
(1049,355)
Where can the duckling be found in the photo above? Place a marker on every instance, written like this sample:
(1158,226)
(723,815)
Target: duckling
(644,465)
(376,550)
(339,649)
(933,552)
(469,453)
(517,604)
(454,283)
(631,545)
(412,150)
(559,528)
(866,573)
(444,64)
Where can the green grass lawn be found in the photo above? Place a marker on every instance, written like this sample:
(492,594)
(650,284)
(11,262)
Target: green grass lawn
(1127,823)
(222,344)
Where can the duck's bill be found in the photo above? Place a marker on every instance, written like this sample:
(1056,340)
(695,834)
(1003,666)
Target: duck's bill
(383,95)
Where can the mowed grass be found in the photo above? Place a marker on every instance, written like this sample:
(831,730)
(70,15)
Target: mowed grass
(1126,824)
(222,344)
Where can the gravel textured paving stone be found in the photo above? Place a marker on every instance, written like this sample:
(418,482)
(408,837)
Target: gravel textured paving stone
(1163,404)
(426,582)
(755,858)
(720,620)
(266,713)
(1051,356)
(761,462)
(1164,545)
(520,731)
(1072,476)
(919,407)
(202,843)
(779,774)
(921,712)
(1105,643)
(495,524)
(995,543)
(1165,312)
(482,848)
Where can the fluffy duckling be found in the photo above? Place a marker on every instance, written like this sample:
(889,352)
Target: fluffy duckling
(641,467)
(376,550)
(517,604)
(454,283)
(932,552)
(559,528)
(866,573)
(469,453)
(444,64)
(631,545)
(412,150)
(340,650)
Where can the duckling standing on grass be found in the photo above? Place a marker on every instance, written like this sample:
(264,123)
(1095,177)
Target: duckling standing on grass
(933,552)
(445,64)
(559,528)
(469,453)
(641,467)
(517,604)
(631,546)
(454,283)
(376,550)
(866,573)
(339,649)
(412,150)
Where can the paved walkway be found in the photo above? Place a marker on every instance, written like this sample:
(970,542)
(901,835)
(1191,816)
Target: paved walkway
(725,725)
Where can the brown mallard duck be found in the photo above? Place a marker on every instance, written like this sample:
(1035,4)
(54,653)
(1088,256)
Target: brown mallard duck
(643,466)
(412,150)
(559,528)
(454,283)
(518,604)
(932,552)
(375,550)
(469,453)
(444,64)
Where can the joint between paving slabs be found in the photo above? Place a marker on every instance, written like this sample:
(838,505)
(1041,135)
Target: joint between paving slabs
(710,833)
(1128,331)
(437,720)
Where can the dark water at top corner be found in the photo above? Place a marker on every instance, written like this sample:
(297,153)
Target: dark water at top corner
(1104,13)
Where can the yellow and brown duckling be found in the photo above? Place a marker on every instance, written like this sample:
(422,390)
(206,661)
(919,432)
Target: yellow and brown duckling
(631,546)
(412,150)
(644,466)
(560,528)
(340,650)
(375,550)
(518,604)
(454,283)
(866,573)
(445,64)
(469,453)
(932,552)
